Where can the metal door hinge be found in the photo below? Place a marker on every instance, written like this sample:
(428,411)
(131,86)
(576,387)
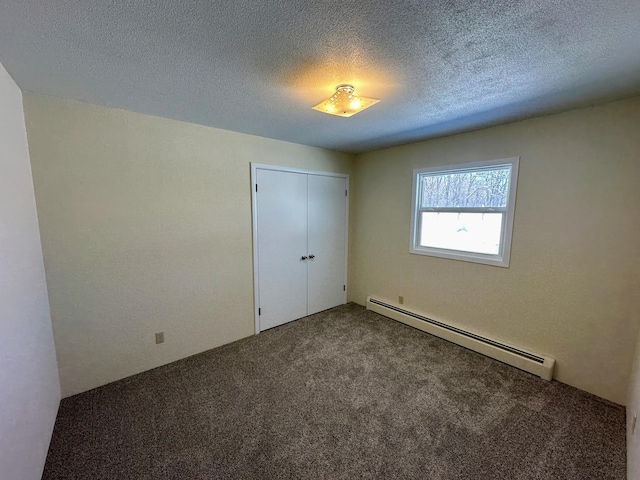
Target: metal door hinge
(259,311)
(256,187)
(344,288)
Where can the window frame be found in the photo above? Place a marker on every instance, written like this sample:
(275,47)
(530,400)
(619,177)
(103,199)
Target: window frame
(501,259)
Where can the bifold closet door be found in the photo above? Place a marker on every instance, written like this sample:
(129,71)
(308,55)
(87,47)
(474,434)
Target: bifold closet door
(282,231)
(327,242)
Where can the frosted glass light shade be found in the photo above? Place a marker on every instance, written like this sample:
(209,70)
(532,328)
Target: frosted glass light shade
(344,102)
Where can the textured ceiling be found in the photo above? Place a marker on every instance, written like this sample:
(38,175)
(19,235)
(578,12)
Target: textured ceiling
(258,67)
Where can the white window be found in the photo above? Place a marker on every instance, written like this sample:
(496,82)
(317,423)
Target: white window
(465,212)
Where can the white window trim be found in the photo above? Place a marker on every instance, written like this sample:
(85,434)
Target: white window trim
(501,259)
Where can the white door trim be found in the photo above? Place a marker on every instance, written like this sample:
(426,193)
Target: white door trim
(254,221)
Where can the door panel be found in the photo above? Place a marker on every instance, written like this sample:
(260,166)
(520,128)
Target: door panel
(282,234)
(327,242)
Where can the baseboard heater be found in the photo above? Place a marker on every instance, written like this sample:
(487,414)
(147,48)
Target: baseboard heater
(527,361)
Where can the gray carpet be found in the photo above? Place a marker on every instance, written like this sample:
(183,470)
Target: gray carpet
(341,394)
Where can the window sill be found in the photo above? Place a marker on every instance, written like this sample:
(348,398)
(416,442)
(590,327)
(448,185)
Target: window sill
(494,260)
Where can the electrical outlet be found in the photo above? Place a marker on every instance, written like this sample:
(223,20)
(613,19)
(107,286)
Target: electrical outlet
(160,337)
(633,423)
(401,300)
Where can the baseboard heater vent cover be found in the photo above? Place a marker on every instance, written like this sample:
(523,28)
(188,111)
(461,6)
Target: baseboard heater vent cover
(527,361)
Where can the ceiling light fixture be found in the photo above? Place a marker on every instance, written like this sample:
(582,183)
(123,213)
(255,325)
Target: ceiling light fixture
(344,103)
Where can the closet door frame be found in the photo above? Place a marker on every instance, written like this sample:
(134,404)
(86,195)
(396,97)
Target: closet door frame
(254,217)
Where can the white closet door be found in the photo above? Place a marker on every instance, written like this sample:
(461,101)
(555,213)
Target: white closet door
(327,242)
(282,233)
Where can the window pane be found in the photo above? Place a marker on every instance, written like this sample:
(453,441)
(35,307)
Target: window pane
(488,187)
(467,232)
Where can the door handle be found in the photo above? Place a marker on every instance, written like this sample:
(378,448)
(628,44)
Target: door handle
(312,256)
(303,258)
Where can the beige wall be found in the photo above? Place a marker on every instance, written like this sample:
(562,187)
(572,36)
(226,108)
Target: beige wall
(29,387)
(146,227)
(633,408)
(571,289)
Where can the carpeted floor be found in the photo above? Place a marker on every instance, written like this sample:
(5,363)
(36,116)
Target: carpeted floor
(342,394)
